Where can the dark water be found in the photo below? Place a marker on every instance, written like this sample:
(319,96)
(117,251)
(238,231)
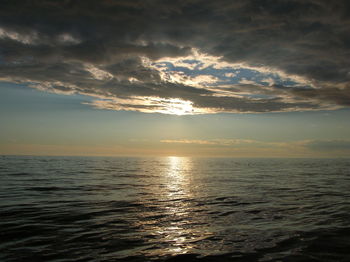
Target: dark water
(186,209)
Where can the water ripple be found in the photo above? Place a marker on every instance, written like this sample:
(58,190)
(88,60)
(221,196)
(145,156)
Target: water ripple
(170,209)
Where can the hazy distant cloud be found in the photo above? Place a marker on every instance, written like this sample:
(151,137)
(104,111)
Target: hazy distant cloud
(329,145)
(322,146)
(209,56)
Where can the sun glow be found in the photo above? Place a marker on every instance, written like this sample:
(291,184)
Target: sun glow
(178,107)
(170,106)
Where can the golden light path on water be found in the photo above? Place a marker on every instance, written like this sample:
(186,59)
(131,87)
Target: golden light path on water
(178,189)
(180,228)
(170,221)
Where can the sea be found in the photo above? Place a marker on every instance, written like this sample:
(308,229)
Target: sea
(173,209)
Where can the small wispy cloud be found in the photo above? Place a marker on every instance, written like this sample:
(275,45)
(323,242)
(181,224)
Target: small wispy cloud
(224,142)
(26,38)
(188,141)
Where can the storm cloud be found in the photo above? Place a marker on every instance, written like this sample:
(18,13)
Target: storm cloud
(150,55)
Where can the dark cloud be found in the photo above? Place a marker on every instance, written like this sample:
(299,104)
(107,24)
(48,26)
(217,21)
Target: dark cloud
(333,95)
(99,47)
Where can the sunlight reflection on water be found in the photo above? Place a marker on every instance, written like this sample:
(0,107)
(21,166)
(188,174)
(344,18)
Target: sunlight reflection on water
(177,226)
(176,192)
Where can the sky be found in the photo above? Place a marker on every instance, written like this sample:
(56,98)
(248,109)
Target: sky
(252,78)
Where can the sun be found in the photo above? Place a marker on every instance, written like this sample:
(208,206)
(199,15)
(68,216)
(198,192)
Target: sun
(174,106)
(179,107)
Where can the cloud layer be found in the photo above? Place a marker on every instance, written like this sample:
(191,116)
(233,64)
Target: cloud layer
(182,57)
(300,148)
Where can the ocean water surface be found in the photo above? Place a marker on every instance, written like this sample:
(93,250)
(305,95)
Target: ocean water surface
(186,209)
